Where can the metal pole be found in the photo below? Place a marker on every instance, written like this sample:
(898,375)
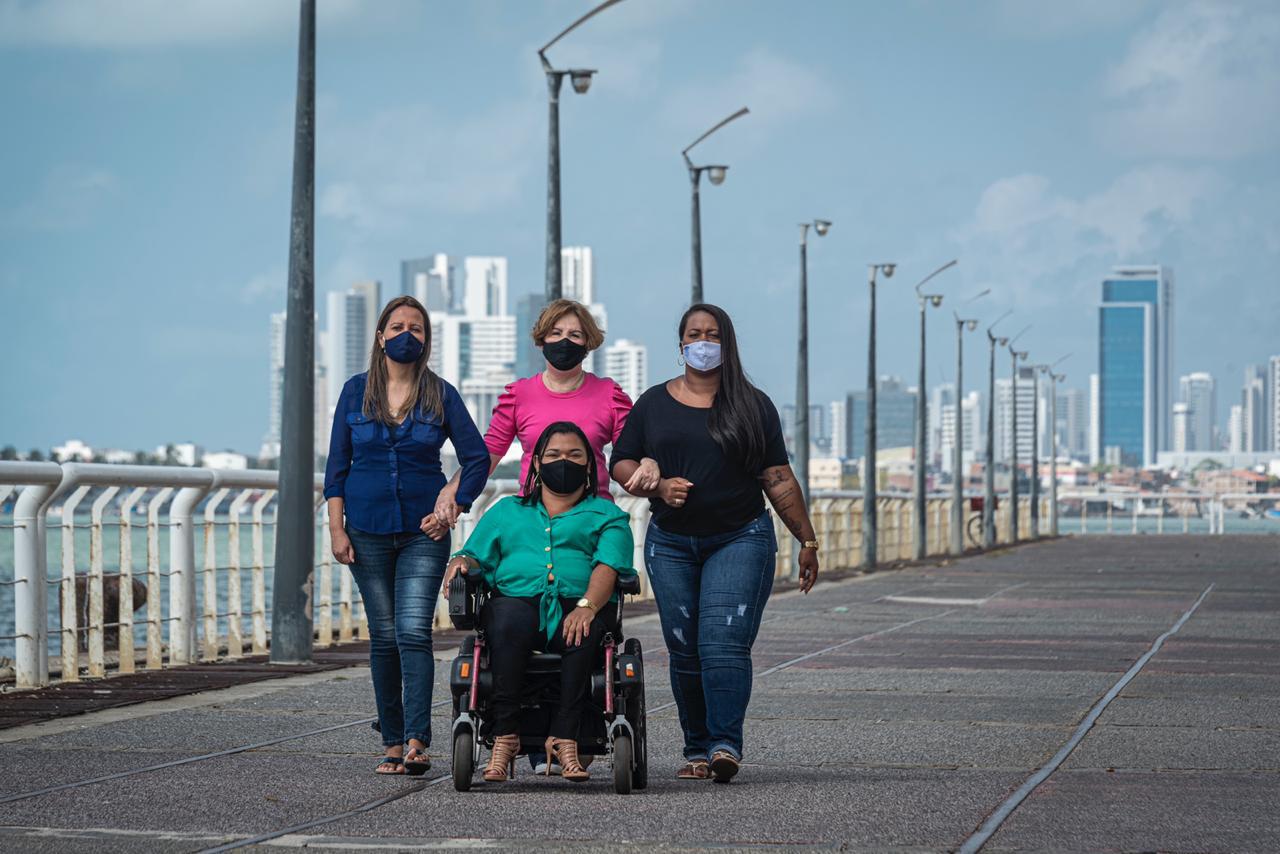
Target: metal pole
(295,530)
(802,377)
(921,416)
(1035,453)
(869,461)
(989,473)
(957,451)
(1013,465)
(553,283)
(1053,463)
(695,176)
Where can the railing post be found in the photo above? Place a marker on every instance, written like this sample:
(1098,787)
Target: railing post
(30,575)
(235,607)
(69,642)
(155,615)
(125,664)
(210,646)
(93,588)
(182,572)
(258,580)
(324,596)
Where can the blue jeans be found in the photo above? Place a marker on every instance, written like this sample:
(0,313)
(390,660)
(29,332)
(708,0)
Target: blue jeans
(711,591)
(399,578)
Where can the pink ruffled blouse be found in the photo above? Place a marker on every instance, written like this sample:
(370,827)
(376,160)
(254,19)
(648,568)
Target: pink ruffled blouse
(599,406)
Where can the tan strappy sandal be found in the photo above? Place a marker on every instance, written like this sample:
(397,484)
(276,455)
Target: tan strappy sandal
(565,752)
(694,769)
(505,748)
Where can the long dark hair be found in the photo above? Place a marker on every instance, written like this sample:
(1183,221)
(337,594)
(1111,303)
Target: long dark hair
(735,420)
(427,393)
(533,484)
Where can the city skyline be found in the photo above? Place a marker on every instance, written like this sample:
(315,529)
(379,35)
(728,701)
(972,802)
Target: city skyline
(127,206)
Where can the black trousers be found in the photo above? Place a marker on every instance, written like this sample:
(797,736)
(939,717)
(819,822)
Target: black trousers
(511,626)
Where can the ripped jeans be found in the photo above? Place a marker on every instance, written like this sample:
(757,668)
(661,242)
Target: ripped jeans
(710,592)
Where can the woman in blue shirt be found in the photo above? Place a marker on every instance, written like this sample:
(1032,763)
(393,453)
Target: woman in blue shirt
(382,479)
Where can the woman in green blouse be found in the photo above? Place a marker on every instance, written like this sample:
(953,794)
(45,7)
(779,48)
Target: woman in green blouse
(551,559)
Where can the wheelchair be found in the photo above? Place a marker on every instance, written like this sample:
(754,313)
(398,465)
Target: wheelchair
(613,722)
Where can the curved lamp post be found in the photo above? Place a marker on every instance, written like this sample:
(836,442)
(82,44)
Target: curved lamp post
(821,226)
(580,79)
(957,449)
(716,175)
(935,300)
(1047,370)
(1014,356)
(989,467)
(869,532)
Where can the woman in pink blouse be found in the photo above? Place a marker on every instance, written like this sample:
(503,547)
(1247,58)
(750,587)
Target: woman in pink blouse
(566,332)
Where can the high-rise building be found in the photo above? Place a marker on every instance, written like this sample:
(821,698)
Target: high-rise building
(971,440)
(895,417)
(1273,394)
(275,394)
(1253,405)
(578,274)
(1135,325)
(1199,392)
(1235,429)
(529,359)
(944,394)
(484,287)
(1004,429)
(819,432)
(627,362)
(838,414)
(352,325)
(1182,439)
(475,348)
(1073,424)
(430,280)
(1095,414)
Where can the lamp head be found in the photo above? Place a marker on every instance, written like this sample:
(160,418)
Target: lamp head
(1022,356)
(1003,342)
(581,79)
(715,174)
(888,270)
(822,226)
(972,324)
(936,299)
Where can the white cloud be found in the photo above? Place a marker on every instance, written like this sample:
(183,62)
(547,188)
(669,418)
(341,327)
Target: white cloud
(1027,236)
(776,89)
(1030,19)
(69,197)
(263,285)
(115,24)
(1203,81)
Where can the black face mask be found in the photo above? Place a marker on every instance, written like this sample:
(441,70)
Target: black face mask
(564,354)
(563,477)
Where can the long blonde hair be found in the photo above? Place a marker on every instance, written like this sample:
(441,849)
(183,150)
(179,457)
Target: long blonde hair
(428,391)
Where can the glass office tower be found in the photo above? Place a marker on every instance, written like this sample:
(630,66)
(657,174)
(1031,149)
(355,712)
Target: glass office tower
(1135,322)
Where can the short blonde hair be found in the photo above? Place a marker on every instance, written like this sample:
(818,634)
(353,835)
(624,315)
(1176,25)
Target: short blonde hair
(558,309)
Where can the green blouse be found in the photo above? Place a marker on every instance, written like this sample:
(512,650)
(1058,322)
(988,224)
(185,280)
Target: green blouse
(524,552)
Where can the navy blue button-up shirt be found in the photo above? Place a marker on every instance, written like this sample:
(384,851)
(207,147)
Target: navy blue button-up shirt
(390,476)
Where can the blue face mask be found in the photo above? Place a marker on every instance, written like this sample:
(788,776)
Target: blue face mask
(702,355)
(404,348)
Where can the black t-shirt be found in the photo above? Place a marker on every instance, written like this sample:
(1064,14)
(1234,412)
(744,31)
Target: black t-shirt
(724,496)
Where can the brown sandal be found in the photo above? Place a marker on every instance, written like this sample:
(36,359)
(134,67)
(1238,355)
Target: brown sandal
(724,765)
(694,769)
(564,751)
(501,759)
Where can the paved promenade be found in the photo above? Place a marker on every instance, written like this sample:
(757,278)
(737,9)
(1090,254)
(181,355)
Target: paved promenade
(906,710)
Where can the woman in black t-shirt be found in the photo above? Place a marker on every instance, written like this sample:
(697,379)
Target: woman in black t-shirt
(710,550)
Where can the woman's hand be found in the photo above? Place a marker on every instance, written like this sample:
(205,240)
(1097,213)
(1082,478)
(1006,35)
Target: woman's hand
(645,477)
(674,490)
(343,552)
(808,569)
(577,625)
(460,564)
(447,510)
(433,527)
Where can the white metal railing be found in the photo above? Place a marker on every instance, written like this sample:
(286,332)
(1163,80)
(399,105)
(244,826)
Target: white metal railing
(1168,511)
(208,616)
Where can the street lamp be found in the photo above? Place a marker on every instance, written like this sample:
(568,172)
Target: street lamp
(957,450)
(1014,356)
(821,226)
(989,468)
(1053,432)
(716,175)
(580,79)
(869,459)
(935,300)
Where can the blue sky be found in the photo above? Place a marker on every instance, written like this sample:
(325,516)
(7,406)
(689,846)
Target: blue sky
(146,160)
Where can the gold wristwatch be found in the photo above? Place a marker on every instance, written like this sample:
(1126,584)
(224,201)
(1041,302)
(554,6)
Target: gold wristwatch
(809,544)
(584,602)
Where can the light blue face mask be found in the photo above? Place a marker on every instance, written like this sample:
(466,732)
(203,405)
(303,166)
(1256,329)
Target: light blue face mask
(702,355)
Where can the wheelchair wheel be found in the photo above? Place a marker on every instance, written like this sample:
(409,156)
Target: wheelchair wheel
(463,760)
(622,778)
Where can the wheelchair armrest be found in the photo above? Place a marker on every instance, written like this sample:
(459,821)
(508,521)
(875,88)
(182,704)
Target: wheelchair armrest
(465,593)
(628,585)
